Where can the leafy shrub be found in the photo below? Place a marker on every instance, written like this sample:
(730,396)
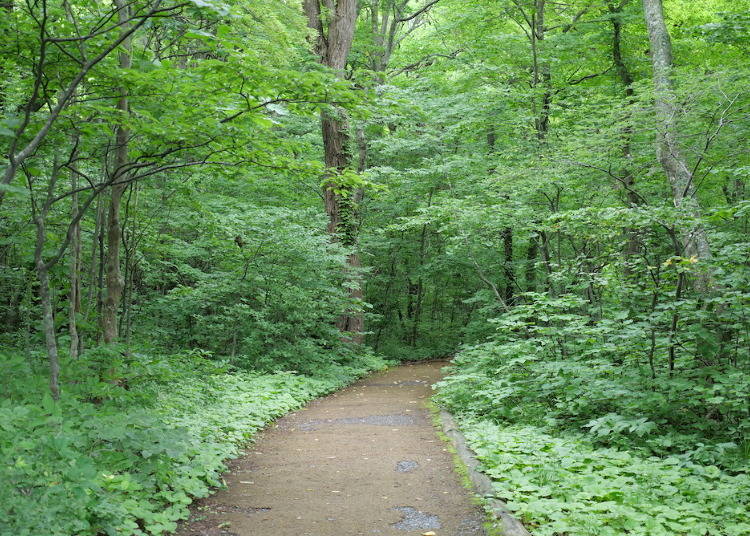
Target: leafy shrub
(554,367)
(561,485)
(268,301)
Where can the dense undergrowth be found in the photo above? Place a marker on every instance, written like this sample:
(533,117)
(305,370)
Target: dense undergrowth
(582,437)
(563,485)
(135,439)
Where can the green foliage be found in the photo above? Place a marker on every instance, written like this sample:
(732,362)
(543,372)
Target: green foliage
(583,434)
(515,211)
(563,485)
(261,286)
(128,457)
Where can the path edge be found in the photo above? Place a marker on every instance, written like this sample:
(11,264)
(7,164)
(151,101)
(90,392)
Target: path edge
(508,524)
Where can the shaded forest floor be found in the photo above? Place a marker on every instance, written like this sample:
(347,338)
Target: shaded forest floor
(365,460)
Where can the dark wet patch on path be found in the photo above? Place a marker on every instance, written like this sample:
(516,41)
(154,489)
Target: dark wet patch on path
(375,420)
(247,510)
(415,520)
(406,466)
(405,383)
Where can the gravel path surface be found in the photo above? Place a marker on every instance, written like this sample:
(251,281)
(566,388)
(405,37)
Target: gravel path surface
(362,461)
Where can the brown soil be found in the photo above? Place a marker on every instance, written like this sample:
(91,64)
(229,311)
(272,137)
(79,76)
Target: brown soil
(365,460)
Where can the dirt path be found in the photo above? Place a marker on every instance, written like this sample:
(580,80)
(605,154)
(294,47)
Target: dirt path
(365,460)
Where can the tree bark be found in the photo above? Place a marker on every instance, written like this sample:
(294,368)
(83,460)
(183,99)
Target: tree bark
(332,43)
(101,264)
(48,325)
(130,245)
(627,81)
(74,305)
(694,240)
(48,319)
(39,216)
(626,180)
(541,70)
(92,295)
(419,287)
(114,276)
(531,255)
(6,10)
(507,232)
(508,271)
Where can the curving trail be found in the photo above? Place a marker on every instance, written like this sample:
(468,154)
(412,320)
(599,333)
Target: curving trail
(363,461)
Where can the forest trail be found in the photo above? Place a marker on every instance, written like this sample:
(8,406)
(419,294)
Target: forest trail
(362,461)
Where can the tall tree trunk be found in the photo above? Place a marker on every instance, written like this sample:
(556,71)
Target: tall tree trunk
(419,287)
(386,306)
(130,244)
(507,232)
(114,277)
(39,217)
(101,265)
(695,242)
(93,287)
(626,180)
(48,324)
(508,272)
(540,74)
(547,260)
(541,70)
(333,40)
(48,319)
(74,305)
(6,10)
(531,255)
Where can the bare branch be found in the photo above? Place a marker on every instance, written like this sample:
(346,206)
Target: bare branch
(417,13)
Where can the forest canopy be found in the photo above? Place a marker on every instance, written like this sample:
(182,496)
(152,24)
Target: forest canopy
(212,211)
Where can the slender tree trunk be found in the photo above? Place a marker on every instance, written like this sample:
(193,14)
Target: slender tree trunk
(6,10)
(74,306)
(129,241)
(541,74)
(420,282)
(531,255)
(45,295)
(114,276)
(626,180)
(90,293)
(416,293)
(694,239)
(48,322)
(48,319)
(386,299)
(507,232)
(626,79)
(114,281)
(101,264)
(508,272)
(546,258)
(541,70)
